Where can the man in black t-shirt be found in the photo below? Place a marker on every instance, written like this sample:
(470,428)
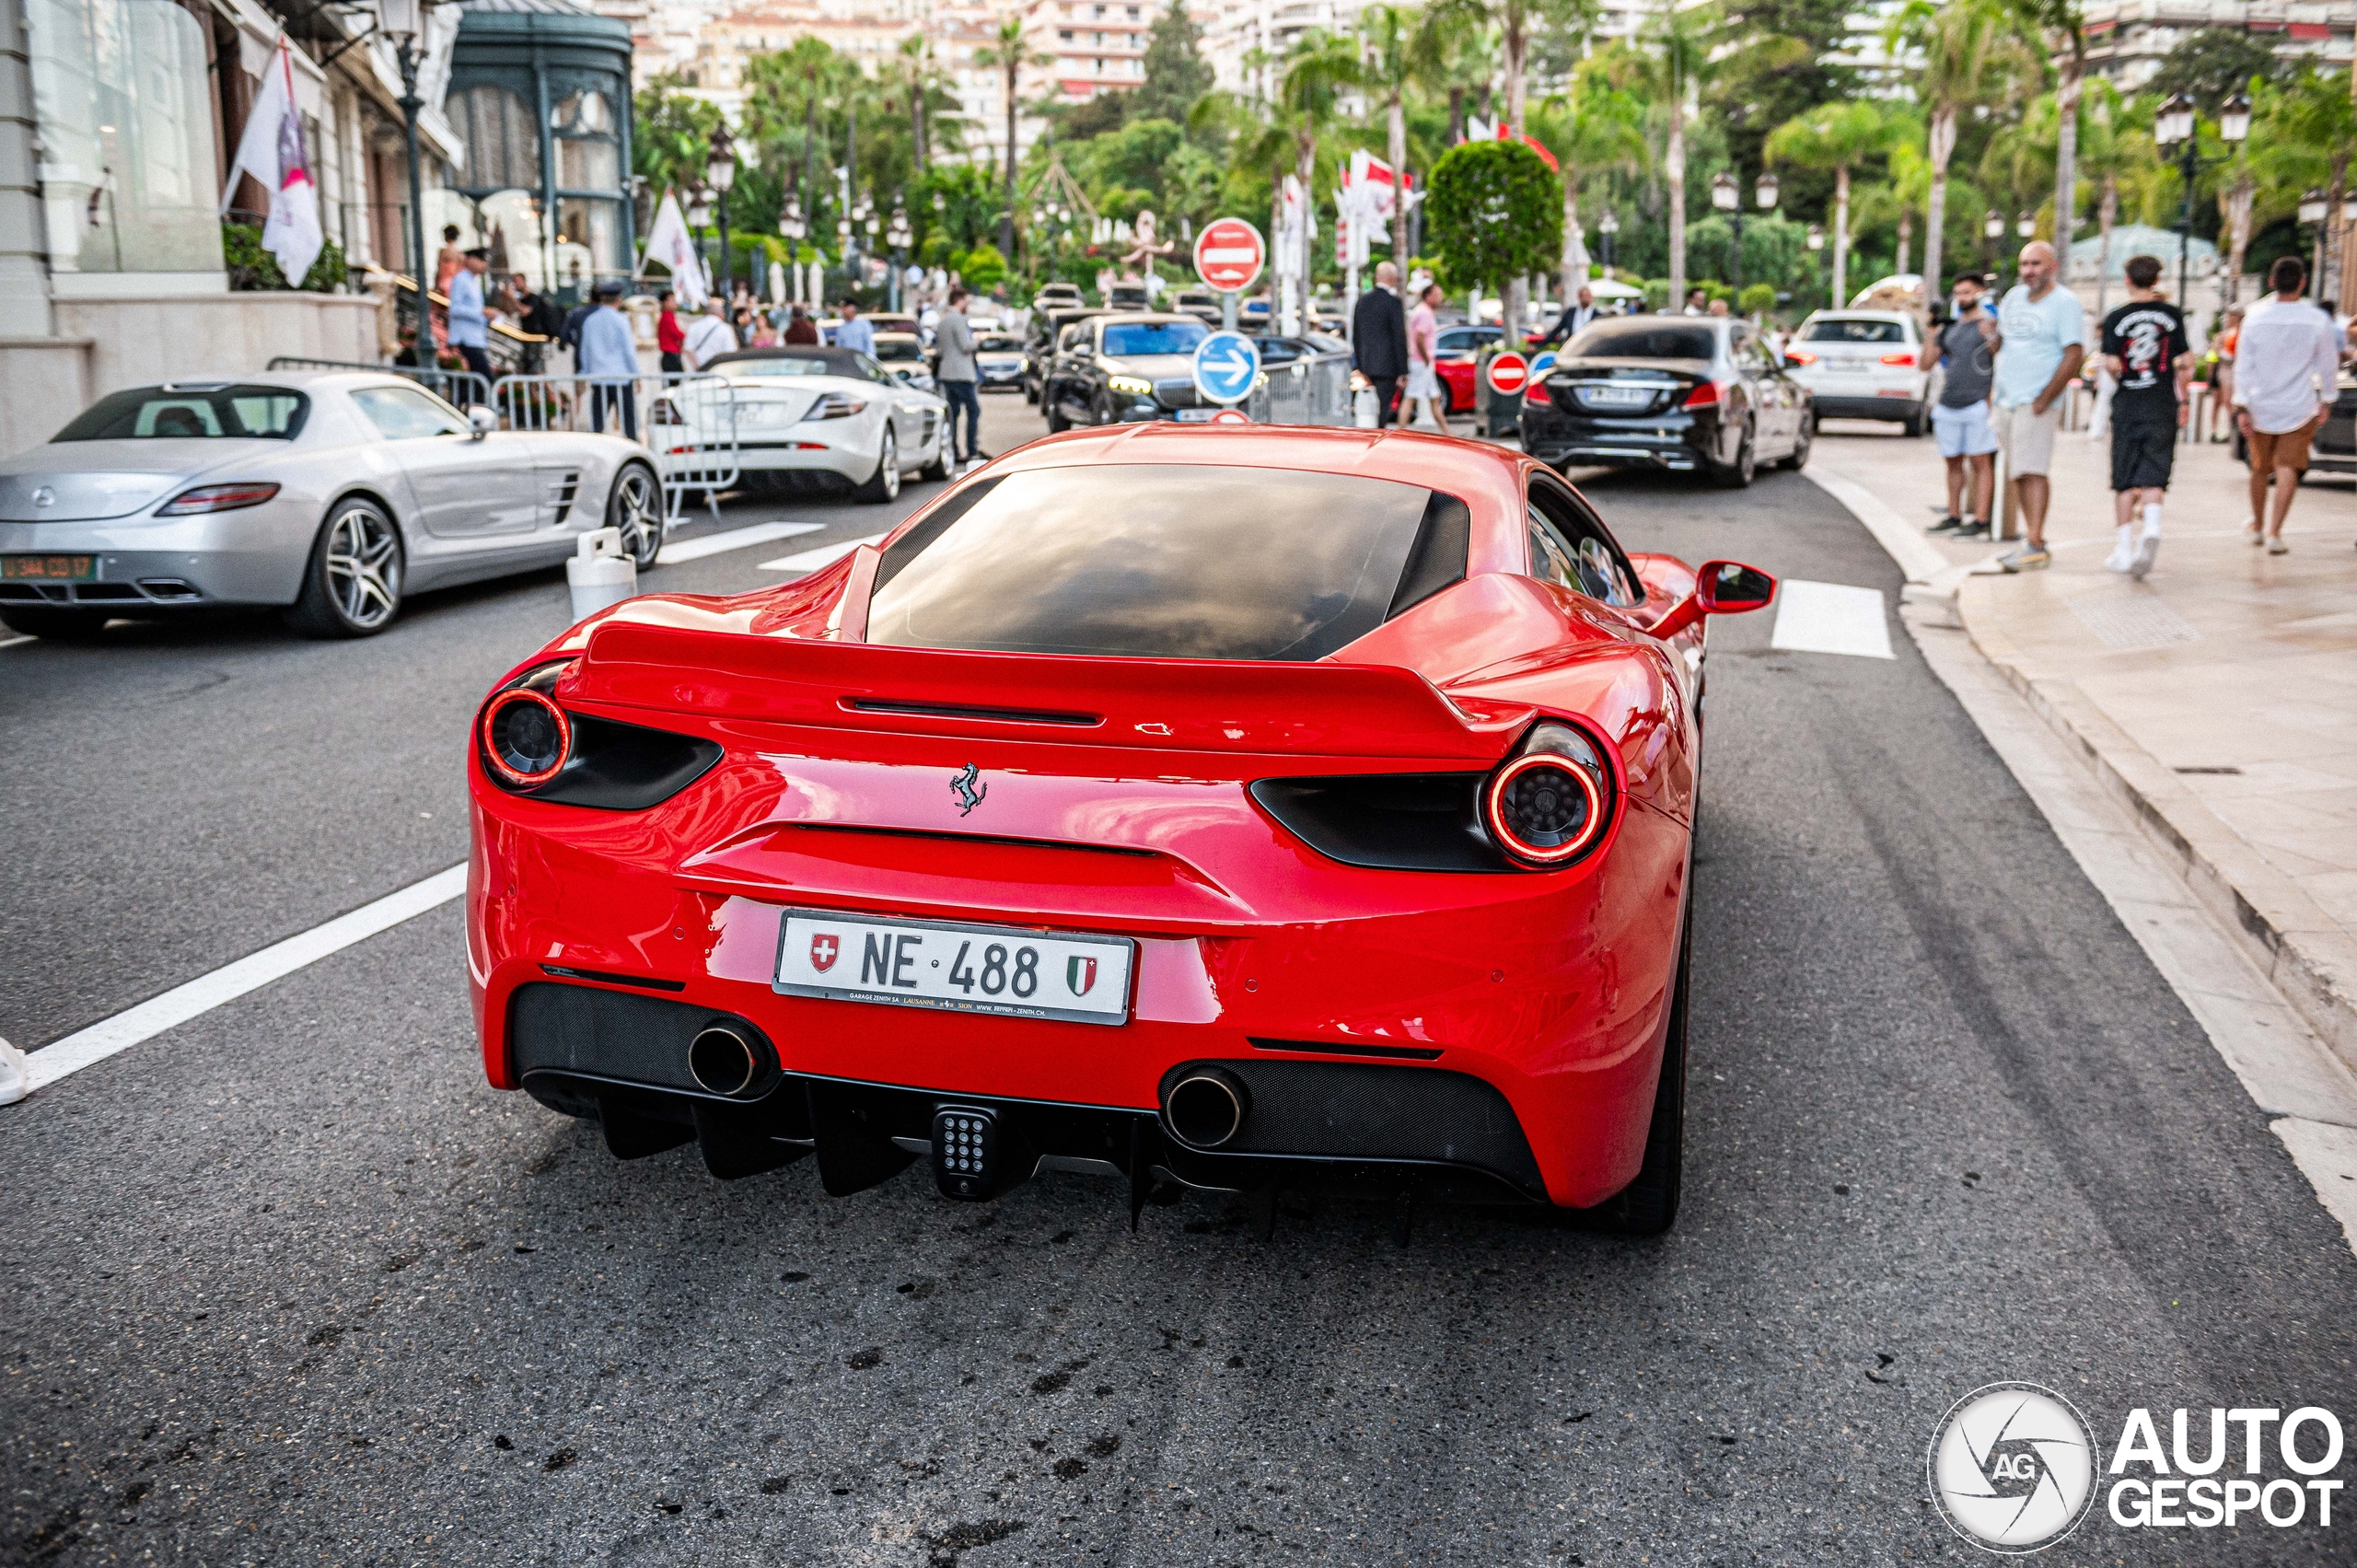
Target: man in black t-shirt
(2146,345)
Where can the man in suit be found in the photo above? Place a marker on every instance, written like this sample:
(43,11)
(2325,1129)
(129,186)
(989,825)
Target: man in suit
(1574,321)
(1379,339)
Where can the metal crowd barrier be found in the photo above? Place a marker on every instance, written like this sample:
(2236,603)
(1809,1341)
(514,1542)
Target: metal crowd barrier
(1314,389)
(460,388)
(688,421)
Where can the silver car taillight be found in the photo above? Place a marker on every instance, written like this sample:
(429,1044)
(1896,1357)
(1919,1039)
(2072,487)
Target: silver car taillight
(835,405)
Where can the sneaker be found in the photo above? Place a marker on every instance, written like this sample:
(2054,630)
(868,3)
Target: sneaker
(2123,553)
(2147,549)
(2277,547)
(2255,532)
(1949,524)
(2028,558)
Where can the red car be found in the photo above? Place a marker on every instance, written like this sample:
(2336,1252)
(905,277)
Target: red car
(1235,805)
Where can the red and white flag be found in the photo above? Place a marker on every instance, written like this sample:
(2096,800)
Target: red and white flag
(271,151)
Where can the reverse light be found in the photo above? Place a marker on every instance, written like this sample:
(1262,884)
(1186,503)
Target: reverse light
(1907,358)
(1549,804)
(526,737)
(1705,395)
(216,499)
(1135,386)
(835,405)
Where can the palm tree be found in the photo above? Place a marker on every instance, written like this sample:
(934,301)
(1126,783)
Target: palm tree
(1516,20)
(1391,67)
(1007,52)
(1593,129)
(2062,26)
(1322,67)
(1673,65)
(1839,136)
(1967,56)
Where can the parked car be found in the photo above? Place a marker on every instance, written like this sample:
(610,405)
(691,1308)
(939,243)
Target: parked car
(1121,368)
(1453,355)
(1867,365)
(1247,808)
(1047,327)
(829,411)
(904,358)
(1198,302)
(1689,394)
(333,495)
(998,362)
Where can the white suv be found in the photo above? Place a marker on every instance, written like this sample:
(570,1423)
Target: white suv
(1867,365)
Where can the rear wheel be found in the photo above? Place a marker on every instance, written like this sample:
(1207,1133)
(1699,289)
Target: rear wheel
(1802,440)
(1740,474)
(1057,422)
(1648,1206)
(884,484)
(937,467)
(352,586)
(1913,425)
(56,625)
(635,508)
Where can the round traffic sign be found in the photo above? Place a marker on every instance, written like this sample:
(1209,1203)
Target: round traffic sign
(1231,416)
(1543,363)
(1509,372)
(1229,254)
(1225,367)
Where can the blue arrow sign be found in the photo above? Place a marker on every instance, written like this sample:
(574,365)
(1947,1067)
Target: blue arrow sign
(1225,365)
(1539,367)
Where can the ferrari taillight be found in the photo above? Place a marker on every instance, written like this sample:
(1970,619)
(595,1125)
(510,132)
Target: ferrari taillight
(1549,803)
(526,737)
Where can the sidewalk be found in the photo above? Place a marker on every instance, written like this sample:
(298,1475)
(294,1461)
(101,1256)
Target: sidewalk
(2217,698)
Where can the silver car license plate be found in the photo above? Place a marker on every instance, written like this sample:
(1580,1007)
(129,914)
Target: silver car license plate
(1616,397)
(955,967)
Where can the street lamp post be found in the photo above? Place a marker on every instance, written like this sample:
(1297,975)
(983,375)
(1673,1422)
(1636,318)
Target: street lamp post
(1993,229)
(1727,197)
(402,21)
(790,224)
(2176,126)
(1606,228)
(1816,239)
(720,173)
(2312,210)
(899,238)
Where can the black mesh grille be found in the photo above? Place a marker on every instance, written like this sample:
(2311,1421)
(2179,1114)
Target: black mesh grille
(1354,1110)
(611,1034)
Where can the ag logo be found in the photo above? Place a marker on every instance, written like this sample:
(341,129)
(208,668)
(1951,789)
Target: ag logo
(2012,1468)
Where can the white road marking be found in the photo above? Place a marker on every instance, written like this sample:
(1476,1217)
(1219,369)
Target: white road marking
(825,556)
(229,983)
(735,539)
(1830,618)
(8,640)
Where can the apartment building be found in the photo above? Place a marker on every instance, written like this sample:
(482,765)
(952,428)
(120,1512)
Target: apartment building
(2128,39)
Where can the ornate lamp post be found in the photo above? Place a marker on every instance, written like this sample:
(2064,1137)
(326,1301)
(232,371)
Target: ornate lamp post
(1606,228)
(720,173)
(2177,126)
(1816,239)
(401,22)
(1993,229)
(899,238)
(792,225)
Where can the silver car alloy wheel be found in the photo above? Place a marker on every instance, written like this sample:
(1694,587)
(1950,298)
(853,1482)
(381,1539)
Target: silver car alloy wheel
(635,514)
(887,463)
(364,568)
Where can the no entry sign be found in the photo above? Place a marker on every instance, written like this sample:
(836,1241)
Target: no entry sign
(1509,372)
(1229,255)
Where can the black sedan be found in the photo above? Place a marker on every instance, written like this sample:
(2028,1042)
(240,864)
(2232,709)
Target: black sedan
(1669,392)
(1123,368)
(1049,323)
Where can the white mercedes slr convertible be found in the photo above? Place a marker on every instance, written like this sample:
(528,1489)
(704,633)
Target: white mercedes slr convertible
(807,409)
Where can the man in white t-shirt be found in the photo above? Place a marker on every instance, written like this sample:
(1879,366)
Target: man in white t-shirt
(710,337)
(2286,375)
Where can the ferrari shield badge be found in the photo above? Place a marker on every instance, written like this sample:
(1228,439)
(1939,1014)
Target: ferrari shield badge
(823,948)
(969,793)
(1080,974)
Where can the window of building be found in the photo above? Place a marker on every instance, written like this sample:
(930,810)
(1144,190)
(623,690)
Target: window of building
(128,162)
(503,143)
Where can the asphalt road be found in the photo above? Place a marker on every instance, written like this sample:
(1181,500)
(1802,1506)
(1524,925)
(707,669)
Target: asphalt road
(289,1282)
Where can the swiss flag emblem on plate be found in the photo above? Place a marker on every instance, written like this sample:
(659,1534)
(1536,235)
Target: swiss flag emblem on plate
(823,948)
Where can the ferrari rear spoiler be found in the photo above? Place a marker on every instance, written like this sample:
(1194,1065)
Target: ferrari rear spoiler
(1177,704)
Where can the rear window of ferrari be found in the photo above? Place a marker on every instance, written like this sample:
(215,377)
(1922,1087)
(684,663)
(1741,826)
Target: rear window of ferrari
(1155,561)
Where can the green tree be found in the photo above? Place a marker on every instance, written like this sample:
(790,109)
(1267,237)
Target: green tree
(1321,69)
(1007,52)
(1392,67)
(1839,136)
(1594,128)
(2212,65)
(2062,25)
(1176,72)
(1497,213)
(1777,59)
(1676,57)
(670,135)
(1516,21)
(1968,58)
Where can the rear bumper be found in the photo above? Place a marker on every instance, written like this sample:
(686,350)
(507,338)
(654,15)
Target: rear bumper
(1678,440)
(253,556)
(1892,410)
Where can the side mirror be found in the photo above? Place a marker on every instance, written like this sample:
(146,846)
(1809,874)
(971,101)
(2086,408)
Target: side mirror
(482,421)
(1721,588)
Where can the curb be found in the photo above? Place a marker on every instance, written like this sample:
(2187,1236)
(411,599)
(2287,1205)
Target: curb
(2303,954)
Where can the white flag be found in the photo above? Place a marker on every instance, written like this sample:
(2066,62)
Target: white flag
(271,151)
(670,243)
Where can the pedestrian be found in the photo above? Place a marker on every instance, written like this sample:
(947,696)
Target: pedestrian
(763,333)
(800,328)
(708,337)
(2041,342)
(669,336)
(2286,368)
(609,358)
(2149,359)
(447,263)
(1961,420)
(1718,308)
(1423,350)
(957,375)
(2218,407)
(1379,340)
(570,334)
(470,328)
(1576,318)
(1698,300)
(852,332)
(534,314)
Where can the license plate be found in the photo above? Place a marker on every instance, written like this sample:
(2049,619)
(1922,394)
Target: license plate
(49,568)
(1616,397)
(956,967)
(1194,415)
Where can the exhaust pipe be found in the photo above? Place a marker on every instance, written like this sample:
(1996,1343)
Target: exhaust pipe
(723,1060)
(1207,1107)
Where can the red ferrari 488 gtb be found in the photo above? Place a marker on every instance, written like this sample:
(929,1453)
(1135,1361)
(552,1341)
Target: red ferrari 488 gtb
(1232,807)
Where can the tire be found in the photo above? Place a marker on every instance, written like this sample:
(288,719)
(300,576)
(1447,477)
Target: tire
(635,507)
(884,484)
(352,585)
(54,625)
(1648,1206)
(936,470)
(1914,424)
(1057,422)
(1802,442)
(1740,474)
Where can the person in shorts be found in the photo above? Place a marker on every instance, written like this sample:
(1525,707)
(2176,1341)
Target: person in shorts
(2150,358)
(1960,419)
(2041,333)
(2286,366)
